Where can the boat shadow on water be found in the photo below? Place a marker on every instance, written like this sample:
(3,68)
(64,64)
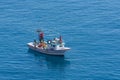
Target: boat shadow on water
(51,61)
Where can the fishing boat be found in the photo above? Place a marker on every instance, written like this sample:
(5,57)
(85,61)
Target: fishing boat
(52,47)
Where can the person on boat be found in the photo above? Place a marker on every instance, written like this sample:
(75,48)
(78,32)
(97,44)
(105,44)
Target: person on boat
(60,41)
(35,43)
(41,37)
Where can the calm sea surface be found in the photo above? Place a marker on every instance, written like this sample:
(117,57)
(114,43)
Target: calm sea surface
(90,27)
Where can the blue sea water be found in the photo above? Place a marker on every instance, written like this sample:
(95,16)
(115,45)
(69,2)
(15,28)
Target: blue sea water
(90,27)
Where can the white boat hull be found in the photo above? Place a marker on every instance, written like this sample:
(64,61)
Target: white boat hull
(48,51)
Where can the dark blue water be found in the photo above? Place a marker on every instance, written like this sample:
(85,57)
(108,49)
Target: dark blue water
(90,27)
